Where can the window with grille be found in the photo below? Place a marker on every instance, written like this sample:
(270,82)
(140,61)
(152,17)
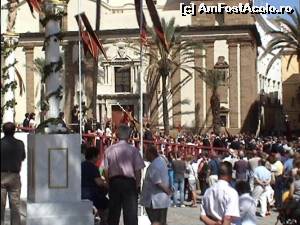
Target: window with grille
(122,79)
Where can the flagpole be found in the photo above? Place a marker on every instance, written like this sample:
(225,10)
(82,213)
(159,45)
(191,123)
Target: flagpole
(141,91)
(140,73)
(79,76)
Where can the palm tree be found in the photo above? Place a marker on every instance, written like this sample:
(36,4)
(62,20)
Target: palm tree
(39,65)
(286,41)
(214,78)
(90,71)
(164,64)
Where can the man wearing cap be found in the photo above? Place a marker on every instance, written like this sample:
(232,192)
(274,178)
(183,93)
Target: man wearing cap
(12,155)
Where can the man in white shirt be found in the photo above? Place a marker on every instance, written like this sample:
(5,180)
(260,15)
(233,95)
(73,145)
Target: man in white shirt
(156,193)
(263,191)
(220,203)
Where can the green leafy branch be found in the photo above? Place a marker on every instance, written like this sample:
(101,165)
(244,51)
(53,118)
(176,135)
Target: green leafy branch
(58,93)
(9,104)
(7,50)
(6,68)
(45,102)
(12,85)
(51,68)
(44,106)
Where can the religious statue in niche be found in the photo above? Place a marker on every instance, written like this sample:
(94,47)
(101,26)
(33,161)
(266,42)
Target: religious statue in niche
(221,63)
(222,66)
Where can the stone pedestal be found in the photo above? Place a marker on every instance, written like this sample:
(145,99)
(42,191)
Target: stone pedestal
(54,181)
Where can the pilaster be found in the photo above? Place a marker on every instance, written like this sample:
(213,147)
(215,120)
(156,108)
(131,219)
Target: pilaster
(248,86)
(30,101)
(209,47)
(199,87)
(234,86)
(176,96)
(90,73)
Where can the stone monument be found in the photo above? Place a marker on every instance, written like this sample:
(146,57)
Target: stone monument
(54,181)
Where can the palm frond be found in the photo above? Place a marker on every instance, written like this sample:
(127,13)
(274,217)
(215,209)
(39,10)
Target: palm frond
(274,58)
(286,41)
(291,28)
(20,82)
(289,62)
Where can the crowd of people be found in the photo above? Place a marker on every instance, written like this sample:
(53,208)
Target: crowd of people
(29,120)
(259,173)
(239,176)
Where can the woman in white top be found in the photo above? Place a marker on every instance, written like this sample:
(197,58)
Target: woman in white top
(192,179)
(32,123)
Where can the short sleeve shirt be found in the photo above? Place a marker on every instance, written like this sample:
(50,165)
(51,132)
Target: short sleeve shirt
(122,159)
(213,166)
(220,200)
(241,168)
(152,196)
(262,173)
(179,167)
(277,168)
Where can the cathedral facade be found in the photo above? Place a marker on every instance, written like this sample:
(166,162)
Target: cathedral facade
(230,42)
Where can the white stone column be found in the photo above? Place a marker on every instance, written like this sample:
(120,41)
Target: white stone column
(9,81)
(52,57)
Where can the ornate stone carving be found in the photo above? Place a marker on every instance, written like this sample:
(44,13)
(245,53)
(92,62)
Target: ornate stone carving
(121,49)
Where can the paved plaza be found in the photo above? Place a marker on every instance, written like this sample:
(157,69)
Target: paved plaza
(190,216)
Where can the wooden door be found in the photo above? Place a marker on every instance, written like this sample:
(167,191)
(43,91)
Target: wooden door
(117,114)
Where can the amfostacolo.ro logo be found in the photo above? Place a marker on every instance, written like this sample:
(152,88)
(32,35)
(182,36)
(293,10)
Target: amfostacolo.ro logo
(220,8)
